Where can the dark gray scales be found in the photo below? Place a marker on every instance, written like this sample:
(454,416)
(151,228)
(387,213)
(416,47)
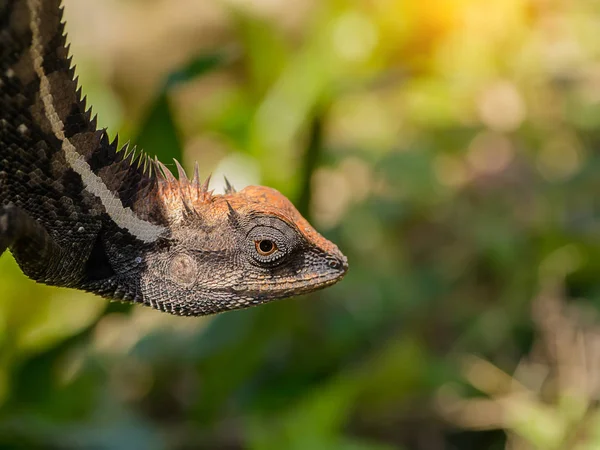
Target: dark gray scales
(34,176)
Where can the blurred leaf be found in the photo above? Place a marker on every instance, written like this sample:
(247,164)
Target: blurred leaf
(158,135)
(315,422)
(265,49)
(199,67)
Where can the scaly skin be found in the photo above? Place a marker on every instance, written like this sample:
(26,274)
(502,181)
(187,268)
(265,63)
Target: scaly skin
(76,211)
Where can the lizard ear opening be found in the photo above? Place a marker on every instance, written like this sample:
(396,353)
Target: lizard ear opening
(183,269)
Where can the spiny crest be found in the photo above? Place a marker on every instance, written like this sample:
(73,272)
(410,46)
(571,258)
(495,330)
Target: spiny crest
(131,156)
(233,215)
(187,193)
(229,189)
(92,121)
(184,191)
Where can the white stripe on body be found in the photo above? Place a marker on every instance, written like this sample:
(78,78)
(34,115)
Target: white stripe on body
(123,217)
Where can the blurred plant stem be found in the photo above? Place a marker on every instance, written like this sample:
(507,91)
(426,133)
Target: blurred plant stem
(312,156)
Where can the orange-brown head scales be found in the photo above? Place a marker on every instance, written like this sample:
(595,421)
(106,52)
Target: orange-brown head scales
(234,250)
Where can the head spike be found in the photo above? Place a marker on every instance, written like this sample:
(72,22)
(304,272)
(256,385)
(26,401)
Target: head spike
(185,201)
(196,179)
(206,184)
(233,216)
(181,172)
(229,189)
(166,172)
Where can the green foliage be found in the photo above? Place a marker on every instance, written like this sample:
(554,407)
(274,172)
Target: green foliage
(158,135)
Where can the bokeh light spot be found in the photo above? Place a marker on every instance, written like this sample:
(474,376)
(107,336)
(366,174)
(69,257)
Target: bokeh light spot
(354,37)
(490,153)
(450,171)
(559,159)
(501,107)
(332,196)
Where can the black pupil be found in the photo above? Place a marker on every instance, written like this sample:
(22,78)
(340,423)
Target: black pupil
(266,246)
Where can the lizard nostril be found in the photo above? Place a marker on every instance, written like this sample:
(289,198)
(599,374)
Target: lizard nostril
(337,264)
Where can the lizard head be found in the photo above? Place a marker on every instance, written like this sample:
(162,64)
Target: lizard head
(235,250)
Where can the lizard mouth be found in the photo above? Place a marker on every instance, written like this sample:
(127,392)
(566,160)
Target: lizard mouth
(281,288)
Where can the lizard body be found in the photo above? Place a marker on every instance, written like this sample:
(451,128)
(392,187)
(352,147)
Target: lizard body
(76,211)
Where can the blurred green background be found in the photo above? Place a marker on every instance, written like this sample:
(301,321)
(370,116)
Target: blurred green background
(448,147)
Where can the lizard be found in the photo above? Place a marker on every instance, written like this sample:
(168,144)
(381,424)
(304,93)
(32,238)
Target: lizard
(78,211)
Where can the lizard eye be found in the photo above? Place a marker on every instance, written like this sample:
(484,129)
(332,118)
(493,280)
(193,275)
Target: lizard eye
(265,247)
(268,245)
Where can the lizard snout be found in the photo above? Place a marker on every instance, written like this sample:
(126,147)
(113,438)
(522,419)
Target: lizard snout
(338,263)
